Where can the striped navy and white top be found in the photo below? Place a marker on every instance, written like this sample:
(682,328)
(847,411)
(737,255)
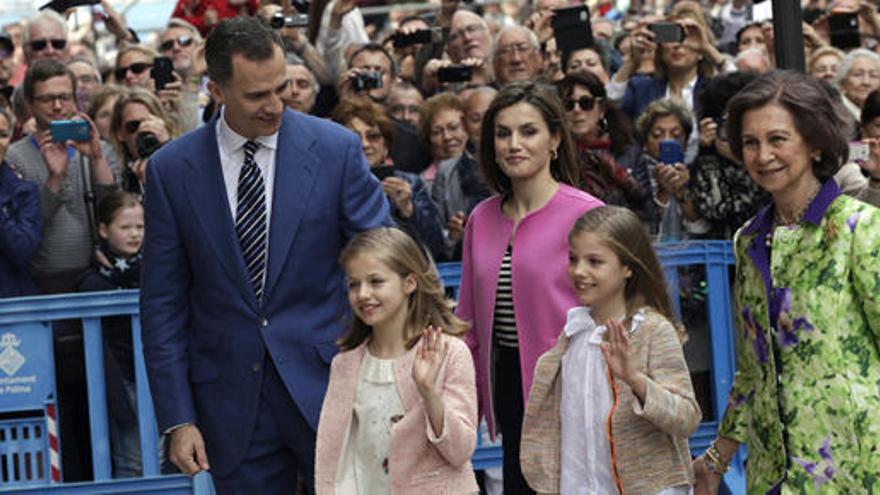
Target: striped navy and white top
(504,321)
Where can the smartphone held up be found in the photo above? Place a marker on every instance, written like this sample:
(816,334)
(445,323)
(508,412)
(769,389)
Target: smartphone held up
(70,130)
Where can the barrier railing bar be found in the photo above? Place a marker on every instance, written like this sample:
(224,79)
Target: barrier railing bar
(68,306)
(164,485)
(149,433)
(97,396)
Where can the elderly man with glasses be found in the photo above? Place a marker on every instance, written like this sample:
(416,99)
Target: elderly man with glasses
(517,55)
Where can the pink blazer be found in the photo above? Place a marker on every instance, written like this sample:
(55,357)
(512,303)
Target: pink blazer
(542,293)
(418,461)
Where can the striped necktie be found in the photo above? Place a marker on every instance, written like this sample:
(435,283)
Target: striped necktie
(250,219)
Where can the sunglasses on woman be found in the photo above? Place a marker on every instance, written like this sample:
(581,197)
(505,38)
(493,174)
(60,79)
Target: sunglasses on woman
(136,68)
(40,45)
(585,102)
(132,126)
(183,41)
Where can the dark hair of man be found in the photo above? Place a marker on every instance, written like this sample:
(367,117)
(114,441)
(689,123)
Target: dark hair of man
(43,70)
(243,35)
(742,30)
(601,50)
(719,90)
(374,48)
(871,109)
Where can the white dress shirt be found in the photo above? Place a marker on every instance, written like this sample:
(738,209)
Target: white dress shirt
(231,146)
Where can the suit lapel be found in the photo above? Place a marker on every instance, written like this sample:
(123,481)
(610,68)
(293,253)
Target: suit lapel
(210,206)
(294,179)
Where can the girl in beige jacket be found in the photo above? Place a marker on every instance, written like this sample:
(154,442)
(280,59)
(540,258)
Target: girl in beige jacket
(612,406)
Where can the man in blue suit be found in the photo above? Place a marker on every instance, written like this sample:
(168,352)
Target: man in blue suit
(242,295)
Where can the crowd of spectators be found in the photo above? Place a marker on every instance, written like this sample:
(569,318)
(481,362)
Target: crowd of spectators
(414,86)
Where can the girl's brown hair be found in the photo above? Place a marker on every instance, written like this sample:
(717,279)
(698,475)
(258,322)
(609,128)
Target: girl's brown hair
(427,305)
(623,232)
(109,207)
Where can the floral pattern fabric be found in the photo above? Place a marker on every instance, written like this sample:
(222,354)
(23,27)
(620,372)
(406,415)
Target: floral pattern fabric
(806,397)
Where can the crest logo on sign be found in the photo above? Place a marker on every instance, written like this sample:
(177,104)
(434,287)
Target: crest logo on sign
(10,359)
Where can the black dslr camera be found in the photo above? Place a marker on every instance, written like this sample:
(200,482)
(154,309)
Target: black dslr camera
(146,143)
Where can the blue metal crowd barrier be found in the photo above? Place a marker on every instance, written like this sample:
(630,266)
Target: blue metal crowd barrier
(25,319)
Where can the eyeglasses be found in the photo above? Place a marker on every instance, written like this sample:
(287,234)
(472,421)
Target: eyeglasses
(374,137)
(517,48)
(183,41)
(135,68)
(585,102)
(62,97)
(131,126)
(40,45)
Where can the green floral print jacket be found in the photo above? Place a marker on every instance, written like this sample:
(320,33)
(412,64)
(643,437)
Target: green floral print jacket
(806,397)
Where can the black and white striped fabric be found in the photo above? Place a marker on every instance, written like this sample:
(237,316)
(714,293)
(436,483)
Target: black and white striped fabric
(504,321)
(250,219)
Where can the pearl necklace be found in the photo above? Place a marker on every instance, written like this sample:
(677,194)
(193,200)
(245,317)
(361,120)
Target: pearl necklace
(779,220)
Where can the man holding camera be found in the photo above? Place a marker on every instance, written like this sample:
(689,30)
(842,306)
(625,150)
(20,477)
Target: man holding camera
(370,73)
(61,167)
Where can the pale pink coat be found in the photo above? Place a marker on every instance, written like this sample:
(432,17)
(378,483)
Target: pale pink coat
(418,461)
(542,294)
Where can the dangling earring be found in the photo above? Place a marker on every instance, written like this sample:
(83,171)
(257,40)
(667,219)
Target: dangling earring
(817,157)
(603,124)
(554,155)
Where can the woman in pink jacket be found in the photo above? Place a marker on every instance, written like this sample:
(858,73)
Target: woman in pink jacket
(514,288)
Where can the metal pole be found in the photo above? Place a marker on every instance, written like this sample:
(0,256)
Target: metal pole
(788,34)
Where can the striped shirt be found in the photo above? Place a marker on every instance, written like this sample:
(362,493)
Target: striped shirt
(504,320)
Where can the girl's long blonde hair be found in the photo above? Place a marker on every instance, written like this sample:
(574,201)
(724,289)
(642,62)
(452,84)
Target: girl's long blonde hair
(623,232)
(427,305)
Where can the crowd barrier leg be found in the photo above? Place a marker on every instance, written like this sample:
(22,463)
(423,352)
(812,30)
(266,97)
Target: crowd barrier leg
(97,397)
(146,416)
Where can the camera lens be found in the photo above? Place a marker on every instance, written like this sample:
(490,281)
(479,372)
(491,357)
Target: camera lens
(146,143)
(277,21)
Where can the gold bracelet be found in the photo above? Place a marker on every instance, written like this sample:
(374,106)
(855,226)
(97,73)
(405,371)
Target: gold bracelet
(714,460)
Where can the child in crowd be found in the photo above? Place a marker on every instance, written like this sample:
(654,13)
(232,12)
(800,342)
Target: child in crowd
(612,405)
(118,266)
(400,414)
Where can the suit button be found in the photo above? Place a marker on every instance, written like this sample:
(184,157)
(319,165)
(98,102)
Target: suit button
(256,367)
(264,322)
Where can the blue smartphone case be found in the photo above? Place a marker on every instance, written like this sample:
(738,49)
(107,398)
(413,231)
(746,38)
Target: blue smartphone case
(69,130)
(671,152)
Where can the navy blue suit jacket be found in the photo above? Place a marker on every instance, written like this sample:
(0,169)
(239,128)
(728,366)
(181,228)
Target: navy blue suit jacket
(205,335)
(641,90)
(21,227)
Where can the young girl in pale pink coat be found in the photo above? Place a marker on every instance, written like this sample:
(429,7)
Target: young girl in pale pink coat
(400,414)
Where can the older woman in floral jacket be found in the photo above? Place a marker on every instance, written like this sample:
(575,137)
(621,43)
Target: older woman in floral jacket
(806,398)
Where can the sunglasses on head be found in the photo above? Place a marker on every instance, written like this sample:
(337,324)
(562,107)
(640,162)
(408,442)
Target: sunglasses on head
(131,126)
(169,44)
(40,45)
(585,102)
(136,68)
